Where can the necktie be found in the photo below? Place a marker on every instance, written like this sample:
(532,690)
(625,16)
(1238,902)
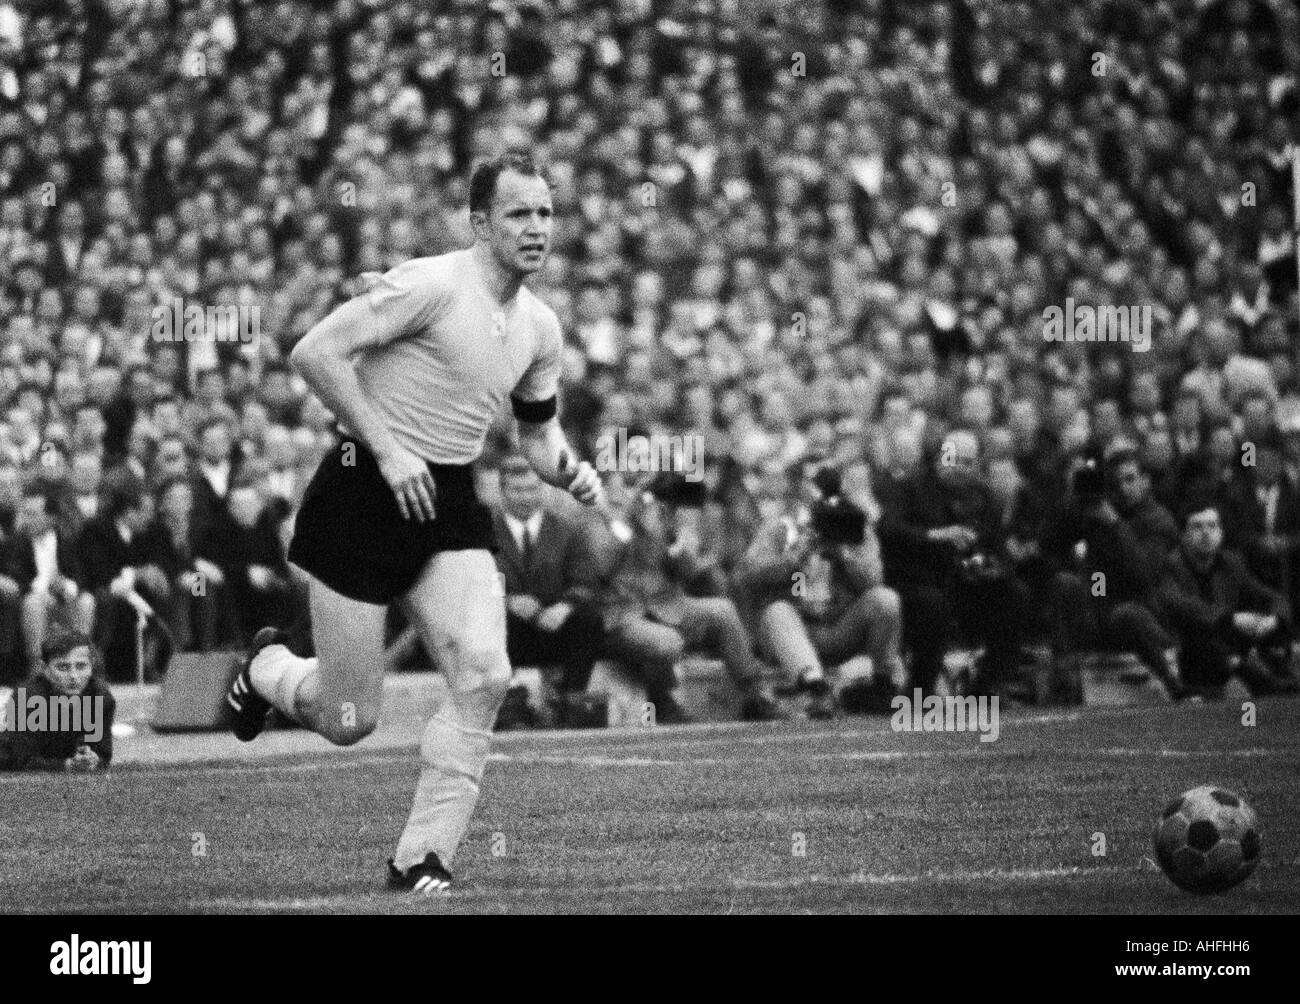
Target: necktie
(526,550)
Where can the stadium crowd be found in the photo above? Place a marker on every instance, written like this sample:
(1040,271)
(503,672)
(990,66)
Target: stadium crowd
(820,237)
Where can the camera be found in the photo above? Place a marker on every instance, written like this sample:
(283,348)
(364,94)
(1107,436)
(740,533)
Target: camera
(838,521)
(1089,482)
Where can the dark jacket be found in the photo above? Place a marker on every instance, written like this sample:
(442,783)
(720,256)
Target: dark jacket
(920,503)
(560,565)
(47,750)
(1155,528)
(1208,599)
(23,561)
(1275,570)
(235,549)
(1112,549)
(161,549)
(104,553)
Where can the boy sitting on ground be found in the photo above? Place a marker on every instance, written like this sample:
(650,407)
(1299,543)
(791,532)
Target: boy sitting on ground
(60,718)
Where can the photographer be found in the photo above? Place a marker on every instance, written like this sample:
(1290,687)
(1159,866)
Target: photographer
(651,618)
(815,583)
(942,542)
(1101,590)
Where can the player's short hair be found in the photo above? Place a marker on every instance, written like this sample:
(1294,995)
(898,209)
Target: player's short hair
(483,182)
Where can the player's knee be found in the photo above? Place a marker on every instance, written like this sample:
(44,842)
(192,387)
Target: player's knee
(347,723)
(480,682)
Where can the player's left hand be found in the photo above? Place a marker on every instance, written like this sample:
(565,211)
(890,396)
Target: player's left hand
(585,482)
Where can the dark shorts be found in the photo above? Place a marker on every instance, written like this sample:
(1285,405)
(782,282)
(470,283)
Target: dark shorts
(351,536)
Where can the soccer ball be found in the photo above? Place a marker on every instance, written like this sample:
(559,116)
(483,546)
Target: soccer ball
(1207,840)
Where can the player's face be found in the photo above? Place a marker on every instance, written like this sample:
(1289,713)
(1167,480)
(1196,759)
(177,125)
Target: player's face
(518,225)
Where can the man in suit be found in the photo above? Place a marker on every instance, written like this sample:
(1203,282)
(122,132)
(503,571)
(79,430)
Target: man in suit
(12,664)
(942,539)
(1271,525)
(215,473)
(547,572)
(117,570)
(47,567)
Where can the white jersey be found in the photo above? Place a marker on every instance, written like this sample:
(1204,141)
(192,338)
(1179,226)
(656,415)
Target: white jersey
(460,353)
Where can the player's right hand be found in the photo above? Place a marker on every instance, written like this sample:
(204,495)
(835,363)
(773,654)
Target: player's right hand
(409,478)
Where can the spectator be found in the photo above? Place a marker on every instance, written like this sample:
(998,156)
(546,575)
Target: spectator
(69,669)
(650,619)
(818,598)
(941,536)
(250,558)
(115,562)
(1227,621)
(1105,574)
(170,545)
(214,475)
(552,617)
(1270,517)
(12,663)
(47,567)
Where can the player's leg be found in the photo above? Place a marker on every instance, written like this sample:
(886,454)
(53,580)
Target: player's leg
(339,692)
(457,608)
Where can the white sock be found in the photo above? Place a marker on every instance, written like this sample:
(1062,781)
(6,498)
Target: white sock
(277,674)
(455,757)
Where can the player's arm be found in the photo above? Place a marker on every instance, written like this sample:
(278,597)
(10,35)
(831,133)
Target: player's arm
(325,357)
(548,451)
(541,439)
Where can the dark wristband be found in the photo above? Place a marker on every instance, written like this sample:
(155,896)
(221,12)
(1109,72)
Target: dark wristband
(534,411)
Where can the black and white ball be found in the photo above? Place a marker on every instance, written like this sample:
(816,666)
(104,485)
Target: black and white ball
(1207,840)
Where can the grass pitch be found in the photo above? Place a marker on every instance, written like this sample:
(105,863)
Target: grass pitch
(836,816)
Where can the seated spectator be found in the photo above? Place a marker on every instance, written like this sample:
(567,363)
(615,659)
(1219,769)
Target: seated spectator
(80,501)
(1131,494)
(941,536)
(12,663)
(552,618)
(651,620)
(1271,519)
(1227,621)
(46,564)
(1105,573)
(169,544)
(214,474)
(126,585)
(818,594)
(70,667)
(250,558)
